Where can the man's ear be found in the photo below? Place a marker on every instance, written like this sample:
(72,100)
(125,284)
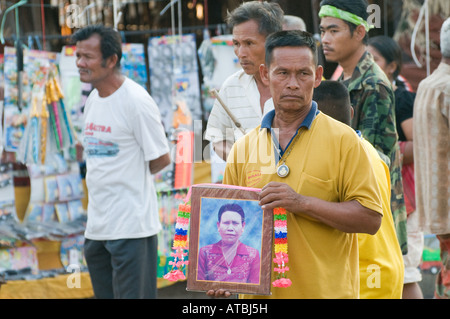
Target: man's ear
(264,74)
(111,61)
(319,75)
(360,32)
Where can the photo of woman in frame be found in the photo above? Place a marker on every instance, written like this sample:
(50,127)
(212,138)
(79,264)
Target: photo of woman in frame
(230,240)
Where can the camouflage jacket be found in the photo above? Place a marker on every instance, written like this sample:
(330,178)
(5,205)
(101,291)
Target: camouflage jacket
(372,98)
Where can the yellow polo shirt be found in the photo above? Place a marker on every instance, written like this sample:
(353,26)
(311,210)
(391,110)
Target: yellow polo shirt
(380,257)
(328,161)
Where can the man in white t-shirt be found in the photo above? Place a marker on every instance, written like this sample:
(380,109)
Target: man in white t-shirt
(124,142)
(247,98)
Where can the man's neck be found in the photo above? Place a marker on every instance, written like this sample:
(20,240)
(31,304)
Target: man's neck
(349,64)
(264,91)
(286,124)
(109,85)
(229,250)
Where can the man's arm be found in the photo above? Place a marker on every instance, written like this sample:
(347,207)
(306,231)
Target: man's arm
(158,164)
(377,122)
(350,217)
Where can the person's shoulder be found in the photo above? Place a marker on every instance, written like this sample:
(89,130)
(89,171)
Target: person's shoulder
(235,79)
(375,78)
(137,97)
(243,248)
(369,76)
(133,88)
(439,79)
(207,248)
(334,126)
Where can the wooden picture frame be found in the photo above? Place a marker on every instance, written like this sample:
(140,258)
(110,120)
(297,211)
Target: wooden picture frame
(211,238)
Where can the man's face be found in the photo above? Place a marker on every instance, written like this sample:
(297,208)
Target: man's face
(90,63)
(292,76)
(248,46)
(230,227)
(337,41)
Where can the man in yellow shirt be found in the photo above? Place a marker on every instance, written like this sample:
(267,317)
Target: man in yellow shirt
(381,267)
(318,171)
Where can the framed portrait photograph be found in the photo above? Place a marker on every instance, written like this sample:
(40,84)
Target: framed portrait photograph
(230,241)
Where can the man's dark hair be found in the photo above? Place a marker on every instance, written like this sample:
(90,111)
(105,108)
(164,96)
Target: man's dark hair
(231,208)
(389,50)
(333,99)
(268,15)
(110,40)
(290,38)
(357,7)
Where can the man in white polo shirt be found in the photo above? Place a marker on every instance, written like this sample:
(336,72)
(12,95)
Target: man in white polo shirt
(247,98)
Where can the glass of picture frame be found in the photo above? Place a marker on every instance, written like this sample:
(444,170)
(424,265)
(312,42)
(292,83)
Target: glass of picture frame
(230,241)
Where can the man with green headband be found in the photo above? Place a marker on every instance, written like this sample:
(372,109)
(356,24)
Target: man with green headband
(344,34)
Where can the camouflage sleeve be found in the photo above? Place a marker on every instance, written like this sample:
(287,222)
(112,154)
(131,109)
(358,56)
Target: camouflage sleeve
(377,119)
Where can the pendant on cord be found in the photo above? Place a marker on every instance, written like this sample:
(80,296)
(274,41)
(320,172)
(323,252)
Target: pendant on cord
(283,170)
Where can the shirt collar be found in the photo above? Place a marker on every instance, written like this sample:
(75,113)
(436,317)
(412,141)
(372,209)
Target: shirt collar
(245,79)
(307,122)
(241,249)
(364,64)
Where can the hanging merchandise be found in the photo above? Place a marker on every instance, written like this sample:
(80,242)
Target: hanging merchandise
(218,61)
(72,253)
(180,94)
(49,127)
(56,191)
(183,136)
(2,88)
(168,202)
(184,159)
(133,63)
(174,73)
(7,197)
(55,214)
(56,98)
(36,68)
(18,258)
(175,88)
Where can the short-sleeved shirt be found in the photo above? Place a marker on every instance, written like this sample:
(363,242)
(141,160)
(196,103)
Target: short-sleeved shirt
(245,267)
(240,94)
(327,161)
(122,133)
(373,100)
(381,265)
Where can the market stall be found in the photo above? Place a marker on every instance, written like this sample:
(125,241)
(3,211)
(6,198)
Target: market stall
(43,196)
